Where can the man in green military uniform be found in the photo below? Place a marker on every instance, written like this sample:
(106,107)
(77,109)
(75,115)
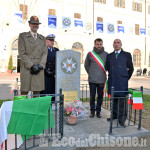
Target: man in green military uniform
(33,53)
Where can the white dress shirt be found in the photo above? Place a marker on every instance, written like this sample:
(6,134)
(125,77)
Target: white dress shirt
(118,51)
(34,35)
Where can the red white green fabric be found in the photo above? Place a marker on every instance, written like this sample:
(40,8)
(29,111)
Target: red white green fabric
(98,60)
(102,66)
(136,100)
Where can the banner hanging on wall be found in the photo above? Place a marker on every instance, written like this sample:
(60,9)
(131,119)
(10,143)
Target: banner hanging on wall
(78,23)
(66,22)
(99,27)
(17,18)
(142,31)
(88,25)
(52,21)
(120,29)
(110,28)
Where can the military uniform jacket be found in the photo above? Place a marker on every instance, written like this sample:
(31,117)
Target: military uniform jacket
(51,58)
(50,66)
(31,52)
(120,70)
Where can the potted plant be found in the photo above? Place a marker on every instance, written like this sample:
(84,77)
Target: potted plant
(10,65)
(72,111)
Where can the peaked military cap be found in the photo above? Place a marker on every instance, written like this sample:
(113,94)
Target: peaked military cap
(34,19)
(50,37)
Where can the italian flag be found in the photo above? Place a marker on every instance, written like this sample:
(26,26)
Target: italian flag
(136,99)
(24,117)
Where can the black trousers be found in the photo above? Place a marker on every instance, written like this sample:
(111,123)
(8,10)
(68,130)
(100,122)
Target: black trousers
(49,86)
(120,109)
(93,88)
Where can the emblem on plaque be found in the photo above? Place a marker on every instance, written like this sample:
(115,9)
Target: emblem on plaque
(68,65)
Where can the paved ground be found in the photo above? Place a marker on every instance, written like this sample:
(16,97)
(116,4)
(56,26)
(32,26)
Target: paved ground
(87,129)
(7,82)
(93,132)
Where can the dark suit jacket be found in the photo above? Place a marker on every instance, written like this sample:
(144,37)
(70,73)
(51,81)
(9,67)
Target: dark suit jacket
(50,66)
(120,70)
(51,59)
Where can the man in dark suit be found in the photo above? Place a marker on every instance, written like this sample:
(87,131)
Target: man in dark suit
(50,66)
(120,68)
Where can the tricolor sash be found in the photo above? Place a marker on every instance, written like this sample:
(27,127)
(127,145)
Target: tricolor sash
(98,60)
(102,66)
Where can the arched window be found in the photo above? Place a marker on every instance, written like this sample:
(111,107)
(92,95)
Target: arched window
(79,48)
(15,45)
(137,58)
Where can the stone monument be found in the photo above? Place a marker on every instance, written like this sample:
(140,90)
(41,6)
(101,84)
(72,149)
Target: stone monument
(68,74)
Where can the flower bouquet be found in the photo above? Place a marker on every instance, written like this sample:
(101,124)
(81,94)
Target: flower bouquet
(74,111)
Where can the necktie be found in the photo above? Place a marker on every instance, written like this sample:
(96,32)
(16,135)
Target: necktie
(34,36)
(117,54)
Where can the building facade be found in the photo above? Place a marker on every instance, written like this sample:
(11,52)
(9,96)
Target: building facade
(76,25)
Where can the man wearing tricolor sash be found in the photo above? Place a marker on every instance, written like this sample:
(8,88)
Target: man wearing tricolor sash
(95,67)
(120,68)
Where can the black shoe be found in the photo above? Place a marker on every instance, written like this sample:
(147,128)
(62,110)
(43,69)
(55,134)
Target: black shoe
(108,119)
(92,116)
(122,124)
(98,115)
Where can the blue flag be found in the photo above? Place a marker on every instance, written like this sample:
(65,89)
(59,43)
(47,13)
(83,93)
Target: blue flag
(78,23)
(142,31)
(99,27)
(120,29)
(52,21)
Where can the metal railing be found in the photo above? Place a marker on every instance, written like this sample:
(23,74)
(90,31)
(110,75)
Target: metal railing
(58,116)
(84,91)
(134,117)
(129,108)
